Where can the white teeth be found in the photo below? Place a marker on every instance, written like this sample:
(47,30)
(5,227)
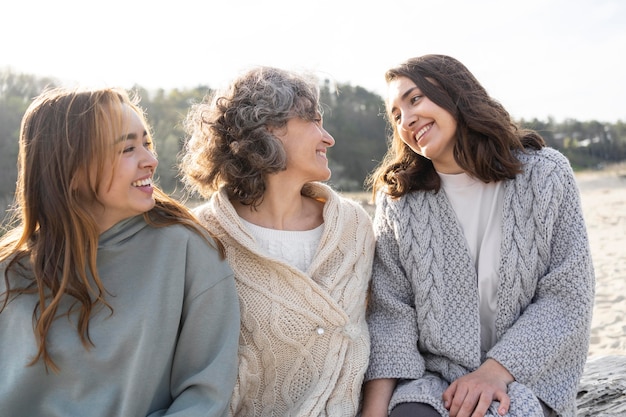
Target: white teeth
(422,131)
(142,183)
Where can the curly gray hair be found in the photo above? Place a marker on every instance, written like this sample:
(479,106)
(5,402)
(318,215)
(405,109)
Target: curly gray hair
(230,142)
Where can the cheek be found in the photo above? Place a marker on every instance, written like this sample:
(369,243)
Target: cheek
(411,145)
(450,122)
(107,182)
(407,138)
(451,133)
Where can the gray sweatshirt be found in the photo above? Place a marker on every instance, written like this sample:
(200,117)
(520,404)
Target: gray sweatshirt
(169,347)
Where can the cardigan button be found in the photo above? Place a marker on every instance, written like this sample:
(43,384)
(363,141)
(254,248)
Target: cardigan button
(320,330)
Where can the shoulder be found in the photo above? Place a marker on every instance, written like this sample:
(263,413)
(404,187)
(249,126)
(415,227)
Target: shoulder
(179,249)
(214,211)
(352,205)
(199,252)
(407,202)
(547,182)
(202,212)
(545,169)
(546,160)
(181,236)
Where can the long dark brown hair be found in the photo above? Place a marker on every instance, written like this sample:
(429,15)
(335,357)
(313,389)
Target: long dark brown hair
(486,137)
(66,136)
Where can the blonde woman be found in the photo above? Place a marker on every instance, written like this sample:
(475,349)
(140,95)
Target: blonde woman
(114,301)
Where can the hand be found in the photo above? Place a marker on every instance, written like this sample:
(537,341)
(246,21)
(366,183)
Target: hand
(472,394)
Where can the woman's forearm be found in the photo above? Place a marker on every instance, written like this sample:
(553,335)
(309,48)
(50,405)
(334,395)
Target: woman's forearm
(376,396)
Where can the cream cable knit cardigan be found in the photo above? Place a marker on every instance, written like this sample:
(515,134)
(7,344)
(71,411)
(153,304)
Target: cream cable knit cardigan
(424,320)
(304,343)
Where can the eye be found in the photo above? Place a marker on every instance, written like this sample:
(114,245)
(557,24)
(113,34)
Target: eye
(128,149)
(415,98)
(148,144)
(395,117)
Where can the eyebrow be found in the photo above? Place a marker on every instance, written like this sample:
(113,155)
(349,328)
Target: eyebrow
(130,136)
(408,92)
(404,96)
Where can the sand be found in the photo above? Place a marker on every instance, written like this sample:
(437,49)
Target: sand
(603,196)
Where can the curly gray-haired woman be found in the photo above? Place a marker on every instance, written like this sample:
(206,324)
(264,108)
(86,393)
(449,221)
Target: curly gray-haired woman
(302,254)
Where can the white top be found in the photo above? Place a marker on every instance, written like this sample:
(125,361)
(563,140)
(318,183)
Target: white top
(297,248)
(478,207)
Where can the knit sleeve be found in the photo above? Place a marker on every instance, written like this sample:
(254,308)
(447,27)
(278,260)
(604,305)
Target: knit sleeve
(546,345)
(391,311)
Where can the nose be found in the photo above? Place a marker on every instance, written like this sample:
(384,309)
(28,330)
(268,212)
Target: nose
(407,121)
(150,159)
(328,138)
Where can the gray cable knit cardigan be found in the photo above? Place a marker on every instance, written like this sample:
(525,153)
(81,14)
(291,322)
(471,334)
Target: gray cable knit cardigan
(423,315)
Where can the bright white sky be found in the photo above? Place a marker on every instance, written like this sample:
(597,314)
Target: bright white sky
(540,58)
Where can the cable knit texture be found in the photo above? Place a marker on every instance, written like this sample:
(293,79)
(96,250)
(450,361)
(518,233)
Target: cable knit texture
(424,318)
(304,343)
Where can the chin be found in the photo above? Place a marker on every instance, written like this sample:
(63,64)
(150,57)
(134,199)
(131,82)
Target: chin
(148,207)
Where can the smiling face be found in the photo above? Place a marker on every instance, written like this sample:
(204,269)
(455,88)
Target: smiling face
(428,129)
(125,188)
(305,144)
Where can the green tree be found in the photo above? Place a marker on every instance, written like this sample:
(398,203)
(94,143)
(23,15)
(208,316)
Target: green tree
(353,116)
(166,111)
(16,94)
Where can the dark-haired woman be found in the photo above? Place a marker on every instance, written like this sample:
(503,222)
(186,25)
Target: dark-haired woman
(483,285)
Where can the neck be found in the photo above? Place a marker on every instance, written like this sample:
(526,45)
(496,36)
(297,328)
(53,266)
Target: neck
(283,208)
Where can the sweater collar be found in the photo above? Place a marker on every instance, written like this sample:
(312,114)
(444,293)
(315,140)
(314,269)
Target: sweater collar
(230,227)
(122,231)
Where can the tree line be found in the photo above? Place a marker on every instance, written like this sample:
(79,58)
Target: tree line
(352,114)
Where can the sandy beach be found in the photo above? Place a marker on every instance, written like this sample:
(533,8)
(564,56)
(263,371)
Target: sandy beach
(603,196)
